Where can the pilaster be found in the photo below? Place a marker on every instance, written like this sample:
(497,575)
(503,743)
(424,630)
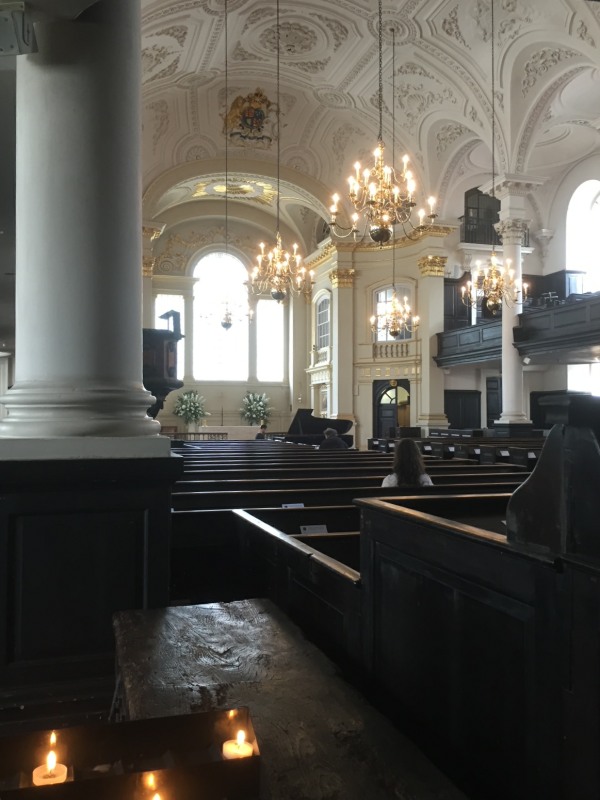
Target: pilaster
(342,342)
(430,406)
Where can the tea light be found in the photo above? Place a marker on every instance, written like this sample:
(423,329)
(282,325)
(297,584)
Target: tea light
(238,747)
(50,772)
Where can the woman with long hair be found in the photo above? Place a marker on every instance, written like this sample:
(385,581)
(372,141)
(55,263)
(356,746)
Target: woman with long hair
(409,468)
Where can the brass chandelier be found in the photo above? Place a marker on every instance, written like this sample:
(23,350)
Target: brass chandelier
(493,283)
(398,316)
(384,196)
(277,271)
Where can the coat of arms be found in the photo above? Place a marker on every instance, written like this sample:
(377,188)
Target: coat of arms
(249,119)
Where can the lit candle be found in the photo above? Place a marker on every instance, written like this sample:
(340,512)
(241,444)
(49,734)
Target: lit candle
(238,747)
(50,772)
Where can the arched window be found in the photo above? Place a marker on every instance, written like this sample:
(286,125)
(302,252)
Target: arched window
(270,344)
(220,353)
(323,323)
(583,233)
(382,299)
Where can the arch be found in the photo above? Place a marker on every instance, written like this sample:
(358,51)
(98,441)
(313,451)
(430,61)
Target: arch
(583,232)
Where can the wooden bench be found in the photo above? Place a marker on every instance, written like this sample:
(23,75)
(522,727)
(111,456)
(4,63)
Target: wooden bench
(318,737)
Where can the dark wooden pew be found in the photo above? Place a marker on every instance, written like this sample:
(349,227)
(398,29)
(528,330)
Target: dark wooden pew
(338,494)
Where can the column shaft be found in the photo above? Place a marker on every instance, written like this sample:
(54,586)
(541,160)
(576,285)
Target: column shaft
(78,285)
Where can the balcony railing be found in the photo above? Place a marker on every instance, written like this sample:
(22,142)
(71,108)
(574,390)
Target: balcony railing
(478,232)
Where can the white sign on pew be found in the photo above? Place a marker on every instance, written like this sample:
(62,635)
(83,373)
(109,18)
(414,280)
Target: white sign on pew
(313,528)
(292,505)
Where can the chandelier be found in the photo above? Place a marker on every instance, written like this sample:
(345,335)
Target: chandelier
(384,196)
(278,271)
(493,284)
(398,316)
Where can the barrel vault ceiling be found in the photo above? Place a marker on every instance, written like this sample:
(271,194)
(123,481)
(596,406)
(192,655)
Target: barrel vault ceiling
(547,102)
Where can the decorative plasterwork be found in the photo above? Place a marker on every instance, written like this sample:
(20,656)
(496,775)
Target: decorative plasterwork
(512,231)
(432,266)
(260,192)
(448,134)
(319,375)
(582,33)
(342,278)
(537,113)
(160,122)
(250,120)
(326,252)
(541,62)
(451,27)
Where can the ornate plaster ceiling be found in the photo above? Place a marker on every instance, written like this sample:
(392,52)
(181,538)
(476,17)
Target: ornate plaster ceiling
(546,78)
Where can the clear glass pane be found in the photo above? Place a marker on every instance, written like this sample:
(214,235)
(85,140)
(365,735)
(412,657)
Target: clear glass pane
(220,353)
(269,341)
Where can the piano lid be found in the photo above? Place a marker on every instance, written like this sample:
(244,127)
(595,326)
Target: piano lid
(304,423)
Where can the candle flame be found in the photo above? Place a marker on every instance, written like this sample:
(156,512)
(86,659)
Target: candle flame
(156,796)
(51,761)
(53,739)
(150,781)
(240,738)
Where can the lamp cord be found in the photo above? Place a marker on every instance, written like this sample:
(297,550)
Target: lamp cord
(226,137)
(380,74)
(493,107)
(278,115)
(393,148)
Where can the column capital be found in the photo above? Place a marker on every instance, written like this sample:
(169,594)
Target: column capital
(432,266)
(512,184)
(512,231)
(152,230)
(342,278)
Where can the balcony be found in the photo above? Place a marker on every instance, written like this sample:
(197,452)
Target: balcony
(483,232)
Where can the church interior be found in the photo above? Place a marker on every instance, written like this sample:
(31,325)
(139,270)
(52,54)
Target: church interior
(376,216)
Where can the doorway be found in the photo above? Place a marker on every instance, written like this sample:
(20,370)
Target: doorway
(391,407)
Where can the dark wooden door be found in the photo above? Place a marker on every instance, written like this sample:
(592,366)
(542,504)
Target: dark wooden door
(493,394)
(463,408)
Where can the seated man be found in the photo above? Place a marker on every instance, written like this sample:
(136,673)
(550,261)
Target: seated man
(262,434)
(332,441)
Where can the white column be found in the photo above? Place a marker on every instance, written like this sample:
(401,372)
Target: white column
(430,407)
(78,229)
(342,344)
(4,364)
(188,332)
(513,398)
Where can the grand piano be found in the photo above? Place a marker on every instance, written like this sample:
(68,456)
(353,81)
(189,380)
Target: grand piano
(306,429)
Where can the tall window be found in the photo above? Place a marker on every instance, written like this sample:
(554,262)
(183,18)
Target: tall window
(270,353)
(163,304)
(323,326)
(382,300)
(583,233)
(219,353)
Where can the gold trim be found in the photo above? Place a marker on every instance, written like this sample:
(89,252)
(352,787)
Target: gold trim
(148,266)
(321,257)
(152,232)
(432,266)
(342,278)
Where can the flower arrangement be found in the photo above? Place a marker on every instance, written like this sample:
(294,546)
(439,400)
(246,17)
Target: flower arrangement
(190,407)
(255,408)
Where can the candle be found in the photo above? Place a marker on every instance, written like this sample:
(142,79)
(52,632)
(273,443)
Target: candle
(50,772)
(238,747)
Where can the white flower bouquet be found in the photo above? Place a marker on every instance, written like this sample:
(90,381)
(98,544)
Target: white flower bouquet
(255,408)
(190,407)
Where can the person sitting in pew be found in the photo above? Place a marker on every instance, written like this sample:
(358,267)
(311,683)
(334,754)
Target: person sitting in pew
(262,434)
(409,468)
(332,441)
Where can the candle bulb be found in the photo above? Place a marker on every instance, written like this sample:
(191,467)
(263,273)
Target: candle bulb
(238,747)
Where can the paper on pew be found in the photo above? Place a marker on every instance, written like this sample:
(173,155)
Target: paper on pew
(313,528)
(292,505)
